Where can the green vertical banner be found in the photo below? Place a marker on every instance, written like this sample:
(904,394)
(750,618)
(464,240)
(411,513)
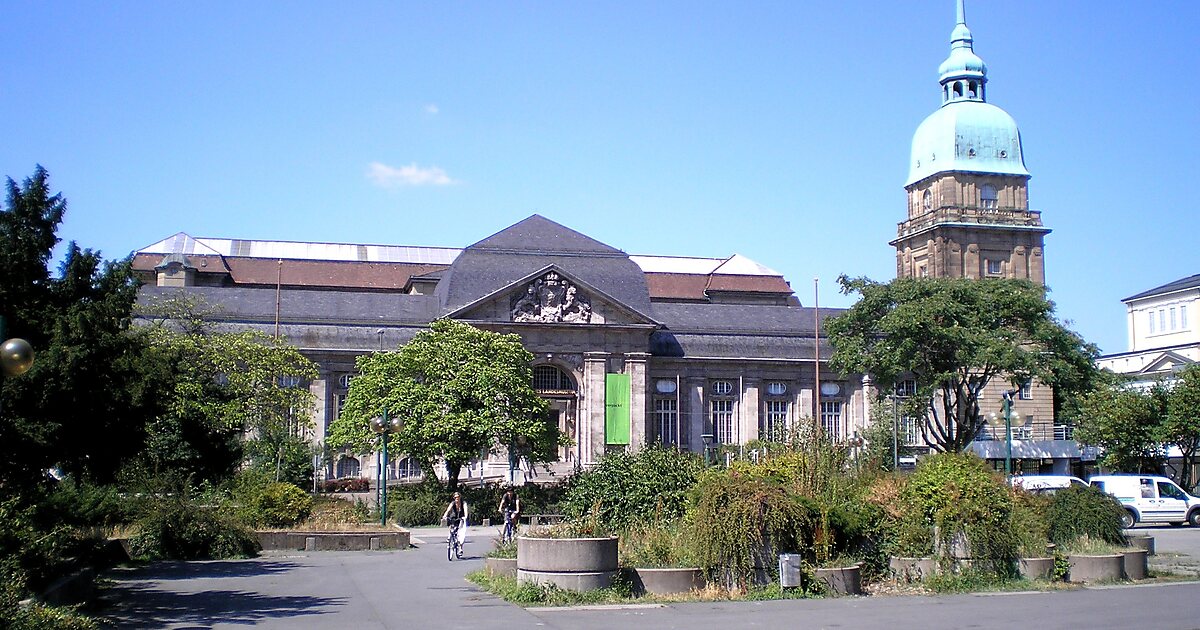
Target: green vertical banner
(616,408)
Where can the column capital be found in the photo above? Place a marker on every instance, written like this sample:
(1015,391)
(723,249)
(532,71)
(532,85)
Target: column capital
(595,356)
(640,357)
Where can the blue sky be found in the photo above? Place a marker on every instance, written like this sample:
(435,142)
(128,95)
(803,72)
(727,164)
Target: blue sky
(777,130)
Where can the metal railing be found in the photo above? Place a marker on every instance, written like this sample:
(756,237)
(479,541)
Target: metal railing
(1037,432)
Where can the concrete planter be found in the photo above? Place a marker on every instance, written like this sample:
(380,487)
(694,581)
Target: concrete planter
(912,569)
(334,541)
(501,566)
(841,580)
(1036,568)
(672,581)
(1142,542)
(1105,568)
(1137,564)
(577,564)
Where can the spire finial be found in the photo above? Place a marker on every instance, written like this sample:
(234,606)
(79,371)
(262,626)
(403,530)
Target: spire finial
(962,12)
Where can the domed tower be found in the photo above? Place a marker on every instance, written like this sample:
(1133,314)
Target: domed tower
(968,202)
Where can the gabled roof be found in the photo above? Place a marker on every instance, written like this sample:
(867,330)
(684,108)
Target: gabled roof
(539,235)
(1190,282)
(1167,361)
(639,316)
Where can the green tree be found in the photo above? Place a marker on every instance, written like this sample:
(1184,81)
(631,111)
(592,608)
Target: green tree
(953,336)
(226,387)
(1181,426)
(1123,422)
(458,390)
(84,405)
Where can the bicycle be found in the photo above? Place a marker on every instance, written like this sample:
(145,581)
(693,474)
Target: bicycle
(454,546)
(510,526)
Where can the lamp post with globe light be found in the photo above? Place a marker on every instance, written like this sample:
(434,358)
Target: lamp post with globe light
(1006,416)
(16,355)
(384,427)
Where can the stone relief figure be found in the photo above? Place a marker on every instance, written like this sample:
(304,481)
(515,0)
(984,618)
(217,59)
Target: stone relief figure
(552,299)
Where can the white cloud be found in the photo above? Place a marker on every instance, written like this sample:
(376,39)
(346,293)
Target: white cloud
(431,108)
(386,176)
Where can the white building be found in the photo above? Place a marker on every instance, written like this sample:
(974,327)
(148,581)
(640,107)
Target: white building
(1163,336)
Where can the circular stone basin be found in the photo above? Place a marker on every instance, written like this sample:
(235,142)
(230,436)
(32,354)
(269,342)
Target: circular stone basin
(1036,568)
(1137,564)
(577,564)
(841,580)
(501,566)
(668,581)
(1103,568)
(1142,542)
(912,569)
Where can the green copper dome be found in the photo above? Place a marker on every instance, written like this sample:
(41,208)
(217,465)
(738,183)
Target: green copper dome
(967,133)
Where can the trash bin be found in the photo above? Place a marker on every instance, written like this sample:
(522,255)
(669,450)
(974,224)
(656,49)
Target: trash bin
(790,574)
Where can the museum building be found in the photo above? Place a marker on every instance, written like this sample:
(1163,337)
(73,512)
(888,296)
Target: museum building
(628,349)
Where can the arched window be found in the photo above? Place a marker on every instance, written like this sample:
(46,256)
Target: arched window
(551,378)
(971,89)
(987,196)
(958,92)
(347,467)
(927,201)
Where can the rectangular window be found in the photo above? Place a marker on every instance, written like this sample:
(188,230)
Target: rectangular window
(1172,309)
(906,389)
(722,420)
(666,416)
(910,431)
(775,416)
(993,267)
(1152,322)
(1026,392)
(1162,319)
(1183,317)
(339,402)
(831,419)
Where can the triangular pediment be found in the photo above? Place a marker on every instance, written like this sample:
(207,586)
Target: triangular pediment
(552,296)
(1168,361)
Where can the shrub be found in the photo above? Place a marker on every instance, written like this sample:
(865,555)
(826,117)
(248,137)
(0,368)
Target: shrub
(1030,526)
(1078,511)
(958,496)
(282,504)
(420,511)
(648,486)
(348,484)
(34,616)
(656,546)
(181,526)
(333,512)
(740,524)
(87,505)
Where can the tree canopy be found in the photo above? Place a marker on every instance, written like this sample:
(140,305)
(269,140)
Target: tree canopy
(1181,425)
(1123,422)
(459,391)
(954,336)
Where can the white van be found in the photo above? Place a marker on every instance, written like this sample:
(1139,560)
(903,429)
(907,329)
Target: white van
(1150,499)
(1045,484)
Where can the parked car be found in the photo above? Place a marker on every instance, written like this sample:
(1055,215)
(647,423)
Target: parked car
(1150,499)
(1045,484)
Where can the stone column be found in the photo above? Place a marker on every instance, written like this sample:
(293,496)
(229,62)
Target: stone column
(591,407)
(696,418)
(749,411)
(635,367)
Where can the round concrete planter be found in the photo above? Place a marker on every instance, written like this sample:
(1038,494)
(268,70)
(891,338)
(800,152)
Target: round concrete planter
(1137,564)
(912,569)
(1142,542)
(501,566)
(1036,568)
(1105,568)
(671,581)
(577,564)
(841,580)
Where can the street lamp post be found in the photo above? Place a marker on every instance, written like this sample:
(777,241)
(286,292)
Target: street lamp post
(515,448)
(16,355)
(384,427)
(1007,411)
(708,440)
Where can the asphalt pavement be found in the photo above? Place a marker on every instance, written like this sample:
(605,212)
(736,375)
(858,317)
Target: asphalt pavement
(419,588)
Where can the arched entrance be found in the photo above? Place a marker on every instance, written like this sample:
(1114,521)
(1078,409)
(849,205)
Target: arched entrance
(556,386)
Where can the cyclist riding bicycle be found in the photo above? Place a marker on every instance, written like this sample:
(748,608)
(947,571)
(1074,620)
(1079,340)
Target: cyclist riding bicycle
(510,508)
(456,516)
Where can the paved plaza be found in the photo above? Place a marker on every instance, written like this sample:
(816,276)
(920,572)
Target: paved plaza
(418,588)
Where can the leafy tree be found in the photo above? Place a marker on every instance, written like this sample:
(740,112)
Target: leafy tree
(458,391)
(84,405)
(1123,422)
(226,386)
(953,336)
(1181,426)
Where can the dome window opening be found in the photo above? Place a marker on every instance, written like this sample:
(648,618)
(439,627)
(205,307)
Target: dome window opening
(971,90)
(988,199)
(958,89)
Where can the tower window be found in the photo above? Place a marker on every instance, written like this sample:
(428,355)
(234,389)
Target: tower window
(958,92)
(927,201)
(988,197)
(971,89)
(994,268)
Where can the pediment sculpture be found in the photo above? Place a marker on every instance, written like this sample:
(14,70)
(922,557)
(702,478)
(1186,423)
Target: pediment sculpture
(552,299)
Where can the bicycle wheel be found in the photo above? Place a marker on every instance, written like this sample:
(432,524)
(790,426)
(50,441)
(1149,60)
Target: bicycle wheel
(450,547)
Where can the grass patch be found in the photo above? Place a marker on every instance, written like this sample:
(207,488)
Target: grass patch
(621,592)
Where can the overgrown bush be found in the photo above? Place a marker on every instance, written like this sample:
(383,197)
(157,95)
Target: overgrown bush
(959,497)
(335,512)
(741,524)
(88,505)
(282,504)
(348,484)
(661,545)
(187,526)
(648,486)
(1083,511)
(34,616)
(1030,524)
(419,512)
